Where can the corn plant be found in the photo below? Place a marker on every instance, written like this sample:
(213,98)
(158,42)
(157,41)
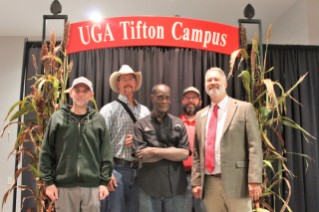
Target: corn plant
(269,99)
(31,114)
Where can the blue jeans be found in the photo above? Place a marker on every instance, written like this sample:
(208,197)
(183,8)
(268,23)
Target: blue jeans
(125,198)
(150,203)
(190,202)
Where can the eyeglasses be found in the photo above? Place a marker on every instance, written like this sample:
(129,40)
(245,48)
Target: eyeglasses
(127,79)
(191,97)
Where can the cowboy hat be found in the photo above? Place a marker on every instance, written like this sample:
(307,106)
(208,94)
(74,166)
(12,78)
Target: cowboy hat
(125,69)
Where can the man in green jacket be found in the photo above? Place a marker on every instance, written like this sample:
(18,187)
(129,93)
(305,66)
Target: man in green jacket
(76,155)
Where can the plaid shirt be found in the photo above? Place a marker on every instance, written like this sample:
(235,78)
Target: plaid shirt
(120,124)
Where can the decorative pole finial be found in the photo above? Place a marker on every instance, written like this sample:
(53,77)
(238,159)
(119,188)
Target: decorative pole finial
(249,11)
(56,7)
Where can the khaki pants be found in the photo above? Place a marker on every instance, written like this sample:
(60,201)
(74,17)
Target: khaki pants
(216,199)
(78,199)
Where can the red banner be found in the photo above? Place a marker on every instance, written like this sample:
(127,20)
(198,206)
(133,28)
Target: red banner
(153,31)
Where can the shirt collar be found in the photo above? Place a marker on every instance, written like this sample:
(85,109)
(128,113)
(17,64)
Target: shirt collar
(125,100)
(155,119)
(186,121)
(222,104)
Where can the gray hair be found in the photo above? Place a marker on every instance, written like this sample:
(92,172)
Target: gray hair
(222,73)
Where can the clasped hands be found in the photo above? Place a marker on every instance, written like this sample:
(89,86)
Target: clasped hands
(144,154)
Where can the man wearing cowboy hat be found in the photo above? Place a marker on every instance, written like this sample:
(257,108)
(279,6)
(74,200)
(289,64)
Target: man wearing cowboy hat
(120,116)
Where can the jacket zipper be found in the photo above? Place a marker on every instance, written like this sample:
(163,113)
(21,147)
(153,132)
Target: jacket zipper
(78,165)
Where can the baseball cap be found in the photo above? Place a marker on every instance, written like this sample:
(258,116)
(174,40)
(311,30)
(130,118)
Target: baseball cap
(82,80)
(191,89)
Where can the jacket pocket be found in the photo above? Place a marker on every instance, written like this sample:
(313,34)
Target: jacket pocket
(241,164)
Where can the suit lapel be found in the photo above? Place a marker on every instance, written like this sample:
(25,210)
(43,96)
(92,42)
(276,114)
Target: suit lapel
(203,120)
(231,109)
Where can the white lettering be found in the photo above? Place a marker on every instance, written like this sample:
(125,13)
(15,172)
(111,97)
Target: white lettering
(207,38)
(174,30)
(95,34)
(223,41)
(96,37)
(108,33)
(199,36)
(140,30)
(160,32)
(186,34)
(215,40)
(151,32)
(85,42)
(124,26)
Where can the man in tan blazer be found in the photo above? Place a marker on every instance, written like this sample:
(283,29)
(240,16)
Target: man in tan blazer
(237,173)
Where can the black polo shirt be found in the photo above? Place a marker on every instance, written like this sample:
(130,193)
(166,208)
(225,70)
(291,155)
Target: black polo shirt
(163,178)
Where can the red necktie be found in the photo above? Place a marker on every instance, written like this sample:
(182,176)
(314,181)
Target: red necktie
(211,139)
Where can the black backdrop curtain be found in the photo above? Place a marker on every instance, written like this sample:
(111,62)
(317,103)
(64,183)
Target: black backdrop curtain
(175,67)
(179,68)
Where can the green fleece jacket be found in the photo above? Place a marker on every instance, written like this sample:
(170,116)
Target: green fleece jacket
(76,152)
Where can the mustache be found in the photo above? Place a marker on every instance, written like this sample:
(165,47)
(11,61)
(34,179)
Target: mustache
(191,109)
(214,87)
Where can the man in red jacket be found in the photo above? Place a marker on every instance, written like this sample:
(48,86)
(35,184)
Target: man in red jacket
(191,103)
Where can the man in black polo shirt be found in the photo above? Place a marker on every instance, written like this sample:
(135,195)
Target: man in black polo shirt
(161,144)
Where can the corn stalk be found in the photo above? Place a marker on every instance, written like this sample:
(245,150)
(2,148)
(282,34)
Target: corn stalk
(47,96)
(269,99)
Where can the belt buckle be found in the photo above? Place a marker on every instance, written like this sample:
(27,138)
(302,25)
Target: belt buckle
(133,164)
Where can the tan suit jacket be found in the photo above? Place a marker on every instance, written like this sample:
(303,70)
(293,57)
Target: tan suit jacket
(241,149)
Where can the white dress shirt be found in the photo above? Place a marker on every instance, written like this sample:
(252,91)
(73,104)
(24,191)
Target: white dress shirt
(222,112)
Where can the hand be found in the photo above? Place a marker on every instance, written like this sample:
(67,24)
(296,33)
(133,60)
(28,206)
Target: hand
(197,192)
(145,153)
(254,190)
(128,142)
(103,192)
(52,192)
(112,184)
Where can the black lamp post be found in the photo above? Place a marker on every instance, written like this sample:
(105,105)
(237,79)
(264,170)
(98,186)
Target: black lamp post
(55,9)
(249,13)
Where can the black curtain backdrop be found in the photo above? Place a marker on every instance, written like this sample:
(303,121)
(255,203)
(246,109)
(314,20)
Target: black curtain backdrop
(179,68)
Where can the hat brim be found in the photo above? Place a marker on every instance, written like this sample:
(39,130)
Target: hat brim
(115,75)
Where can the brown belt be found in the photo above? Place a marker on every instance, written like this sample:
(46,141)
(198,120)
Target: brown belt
(126,163)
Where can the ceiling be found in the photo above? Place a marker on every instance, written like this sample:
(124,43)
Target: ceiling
(25,17)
